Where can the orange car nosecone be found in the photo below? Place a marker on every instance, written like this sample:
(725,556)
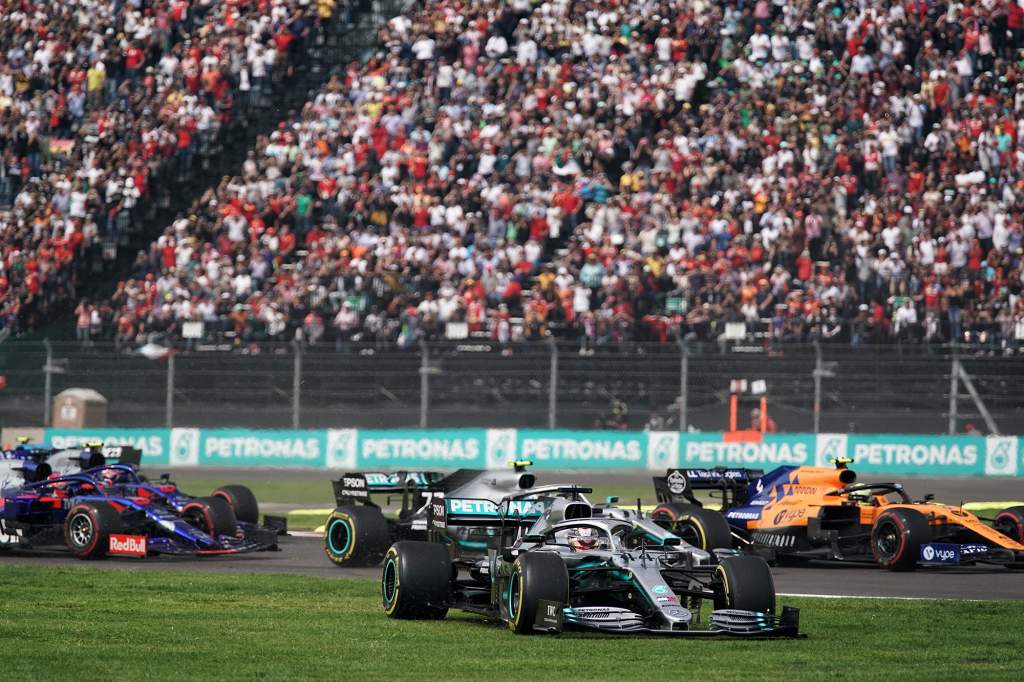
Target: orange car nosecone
(802,513)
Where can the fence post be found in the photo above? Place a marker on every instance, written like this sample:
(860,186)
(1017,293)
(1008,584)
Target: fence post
(169,408)
(553,384)
(684,380)
(818,371)
(954,375)
(424,382)
(296,383)
(47,382)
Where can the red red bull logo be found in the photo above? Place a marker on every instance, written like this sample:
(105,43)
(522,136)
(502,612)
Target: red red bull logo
(127,545)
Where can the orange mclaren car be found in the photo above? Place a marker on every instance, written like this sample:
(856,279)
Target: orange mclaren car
(804,513)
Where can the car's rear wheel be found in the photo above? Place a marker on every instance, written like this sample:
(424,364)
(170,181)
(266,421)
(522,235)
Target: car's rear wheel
(897,536)
(415,582)
(745,583)
(536,577)
(356,536)
(243,503)
(212,515)
(87,529)
(703,528)
(1010,522)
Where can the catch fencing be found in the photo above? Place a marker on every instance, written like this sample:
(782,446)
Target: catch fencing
(528,385)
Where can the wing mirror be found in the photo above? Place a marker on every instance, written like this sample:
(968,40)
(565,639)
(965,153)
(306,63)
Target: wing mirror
(671,542)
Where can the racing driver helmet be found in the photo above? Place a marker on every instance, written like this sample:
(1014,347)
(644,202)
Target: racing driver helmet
(583,539)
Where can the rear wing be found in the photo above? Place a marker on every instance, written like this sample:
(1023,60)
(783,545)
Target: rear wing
(357,487)
(122,454)
(677,485)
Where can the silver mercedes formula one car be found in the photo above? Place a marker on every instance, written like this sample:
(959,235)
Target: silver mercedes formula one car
(557,561)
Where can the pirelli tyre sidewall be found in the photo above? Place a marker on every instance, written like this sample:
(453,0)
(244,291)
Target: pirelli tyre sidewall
(744,582)
(705,529)
(1010,522)
(416,580)
(897,536)
(535,576)
(212,514)
(242,501)
(87,529)
(356,536)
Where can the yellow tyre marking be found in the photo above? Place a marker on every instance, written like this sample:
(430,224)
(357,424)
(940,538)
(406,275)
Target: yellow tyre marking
(392,554)
(725,583)
(351,541)
(518,570)
(700,530)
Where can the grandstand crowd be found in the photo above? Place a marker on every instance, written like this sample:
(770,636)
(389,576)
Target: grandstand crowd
(637,170)
(94,96)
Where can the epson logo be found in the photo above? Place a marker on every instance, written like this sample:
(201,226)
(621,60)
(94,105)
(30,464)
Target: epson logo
(353,482)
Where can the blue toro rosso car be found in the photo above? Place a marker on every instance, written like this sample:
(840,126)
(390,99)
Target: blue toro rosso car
(108,509)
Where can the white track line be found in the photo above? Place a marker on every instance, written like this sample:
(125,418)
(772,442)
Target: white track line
(875,596)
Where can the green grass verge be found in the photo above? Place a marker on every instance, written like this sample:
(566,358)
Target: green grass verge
(70,624)
(318,492)
(299,492)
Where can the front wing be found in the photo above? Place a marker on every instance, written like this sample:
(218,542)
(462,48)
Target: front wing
(722,623)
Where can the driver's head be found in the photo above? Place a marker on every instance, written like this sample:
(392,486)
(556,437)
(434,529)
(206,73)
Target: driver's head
(109,476)
(582,539)
(860,496)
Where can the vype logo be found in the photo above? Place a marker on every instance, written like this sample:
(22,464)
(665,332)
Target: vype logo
(127,545)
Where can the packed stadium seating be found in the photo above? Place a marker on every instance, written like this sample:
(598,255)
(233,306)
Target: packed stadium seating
(604,171)
(96,99)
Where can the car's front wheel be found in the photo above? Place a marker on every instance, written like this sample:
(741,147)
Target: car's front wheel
(897,536)
(1010,522)
(705,529)
(213,515)
(415,581)
(536,577)
(242,502)
(745,583)
(87,529)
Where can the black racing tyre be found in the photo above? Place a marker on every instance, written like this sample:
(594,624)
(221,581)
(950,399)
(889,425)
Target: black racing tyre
(535,576)
(1010,522)
(88,526)
(746,584)
(703,528)
(897,536)
(242,502)
(212,515)
(415,582)
(356,536)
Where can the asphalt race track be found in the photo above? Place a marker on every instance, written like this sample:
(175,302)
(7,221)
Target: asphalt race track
(305,556)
